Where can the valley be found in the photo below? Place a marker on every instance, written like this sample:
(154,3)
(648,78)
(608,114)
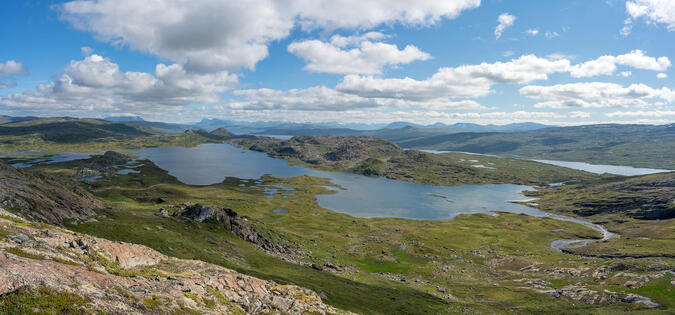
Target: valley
(290,222)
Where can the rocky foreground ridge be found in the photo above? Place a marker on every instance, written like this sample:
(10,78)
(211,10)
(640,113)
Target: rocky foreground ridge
(85,274)
(44,198)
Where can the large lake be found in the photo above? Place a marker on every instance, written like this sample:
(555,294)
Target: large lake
(362,196)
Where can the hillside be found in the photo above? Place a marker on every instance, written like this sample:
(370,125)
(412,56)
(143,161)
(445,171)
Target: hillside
(641,209)
(44,198)
(50,270)
(92,135)
(379,157)
(71,130)
(635,145)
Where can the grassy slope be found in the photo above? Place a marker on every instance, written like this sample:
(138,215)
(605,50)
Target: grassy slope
(621,205)
(474,257)
(87,135)
(378,157)
(636,145)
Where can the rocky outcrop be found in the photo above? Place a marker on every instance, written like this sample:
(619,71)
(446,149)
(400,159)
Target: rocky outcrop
(229,219)
(122,278)
(348,151)
(99,165)
(581,293)
(44,198)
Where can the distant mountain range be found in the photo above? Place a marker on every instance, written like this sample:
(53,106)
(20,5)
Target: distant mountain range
(471,126)
(312,129)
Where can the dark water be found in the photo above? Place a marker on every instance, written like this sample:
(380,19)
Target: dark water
(362,197)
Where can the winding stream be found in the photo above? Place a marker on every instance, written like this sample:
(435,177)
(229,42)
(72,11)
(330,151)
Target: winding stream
(564,244)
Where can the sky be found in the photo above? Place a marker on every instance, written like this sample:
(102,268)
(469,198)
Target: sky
(348,61)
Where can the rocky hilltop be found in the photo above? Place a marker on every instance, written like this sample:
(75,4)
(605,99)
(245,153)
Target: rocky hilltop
(372,156)
(47,269)
(44,198)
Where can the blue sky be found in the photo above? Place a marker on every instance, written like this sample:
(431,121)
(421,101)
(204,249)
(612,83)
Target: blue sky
(554,62)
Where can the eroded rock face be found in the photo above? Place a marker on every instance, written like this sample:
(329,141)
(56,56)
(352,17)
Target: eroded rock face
(44,198)
(121,278)
(238,225)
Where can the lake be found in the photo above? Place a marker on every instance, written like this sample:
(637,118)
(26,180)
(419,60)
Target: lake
(610,169)
(582,166)
(362,197)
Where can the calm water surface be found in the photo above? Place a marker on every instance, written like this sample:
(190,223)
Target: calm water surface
(362,197)
(593,168)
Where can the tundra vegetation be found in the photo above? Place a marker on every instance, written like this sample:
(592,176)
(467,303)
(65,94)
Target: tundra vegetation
(474,263)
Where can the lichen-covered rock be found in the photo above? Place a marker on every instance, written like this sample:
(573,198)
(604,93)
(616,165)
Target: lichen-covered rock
(116,277)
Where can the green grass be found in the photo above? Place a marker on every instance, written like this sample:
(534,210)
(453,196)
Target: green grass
(19,252)
(41,301)
(413,249)
(475,258)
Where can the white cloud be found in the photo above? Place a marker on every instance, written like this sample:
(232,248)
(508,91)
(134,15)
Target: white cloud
(532,32)
(460,82)
(354,55)
(595,94)
(8,70)
(579,114)
(95,83)
(550,34)
(655,113)
(606,65)
(661,75)
(559,56)
(388,116)
(653,11)
(11,67)
(314,98)
(627,27)
(325,99)
(86,50)
(626,74)
(211,36)
(505,21)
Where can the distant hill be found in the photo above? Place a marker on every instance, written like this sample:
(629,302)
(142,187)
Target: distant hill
(470,126)
(335,128)
(636,145)
(156,126)
(71,130)
(124,118)
(9,119)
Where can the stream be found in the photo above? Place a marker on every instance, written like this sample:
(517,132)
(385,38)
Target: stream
(564,244)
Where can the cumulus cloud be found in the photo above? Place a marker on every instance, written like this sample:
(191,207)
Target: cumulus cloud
(326,99)
(460,82)
(626,74)
(661,75)
(207,36)
(595,94)
(606,65)
(315,98)
(640,113)
(354,54)
(96,83)
(11,67)
(505,21)
(652,11)
(8,70)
